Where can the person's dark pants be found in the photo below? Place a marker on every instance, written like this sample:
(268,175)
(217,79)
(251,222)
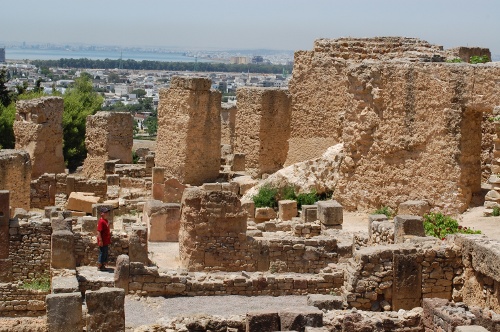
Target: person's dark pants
(103,255)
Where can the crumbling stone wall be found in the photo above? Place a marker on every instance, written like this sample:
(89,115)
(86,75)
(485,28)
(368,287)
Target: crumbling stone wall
(263,128)
(16,301)
(108,136)
(38,130)
(401,275)
(149,281)
(30,248)
(417,123)
(189,131)
(44,189)
(15,176)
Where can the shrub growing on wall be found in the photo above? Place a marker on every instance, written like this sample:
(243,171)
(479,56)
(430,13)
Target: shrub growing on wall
(439,225)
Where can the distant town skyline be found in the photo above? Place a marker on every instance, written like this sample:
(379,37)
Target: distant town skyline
(225,24)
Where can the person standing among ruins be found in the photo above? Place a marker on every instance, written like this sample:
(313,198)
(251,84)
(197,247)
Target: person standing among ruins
(103,238)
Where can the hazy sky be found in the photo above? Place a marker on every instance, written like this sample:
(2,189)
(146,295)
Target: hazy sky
(273,24)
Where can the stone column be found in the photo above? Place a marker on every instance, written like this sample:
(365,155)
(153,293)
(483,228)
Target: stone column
(108,136)
(15,176)
(189,131)
(263,128)
(62,250)
(106,310)
(38,130)
(138,245)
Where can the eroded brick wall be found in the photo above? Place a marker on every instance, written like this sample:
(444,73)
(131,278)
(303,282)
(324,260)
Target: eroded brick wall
(15,176)
(263,128)
(38,130)
(417,123)
(189,131)
(108,136)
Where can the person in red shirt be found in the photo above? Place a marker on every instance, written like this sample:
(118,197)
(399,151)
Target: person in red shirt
(103,238)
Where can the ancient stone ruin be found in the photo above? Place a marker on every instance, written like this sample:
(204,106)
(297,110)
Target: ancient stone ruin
(366,123)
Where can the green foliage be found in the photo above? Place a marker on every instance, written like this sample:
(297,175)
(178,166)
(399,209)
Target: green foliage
(439,225)
(455,60)
(140,93)
(5,95)
(135,157)
(288,192)
(307,199)
(266,197)
(479,59)
(79,101)
(496,211)
(151,125)
(161,65)
(7,117)
(384,210)
(40,284)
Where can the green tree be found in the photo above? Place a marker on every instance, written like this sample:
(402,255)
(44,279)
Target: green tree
(140,93)
(79,101)
(7,117)
(5,95)
(151,124)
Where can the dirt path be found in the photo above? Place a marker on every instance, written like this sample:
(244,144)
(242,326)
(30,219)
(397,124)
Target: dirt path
(474,218)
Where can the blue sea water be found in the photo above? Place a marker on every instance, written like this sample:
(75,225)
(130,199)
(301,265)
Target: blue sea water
(56,54)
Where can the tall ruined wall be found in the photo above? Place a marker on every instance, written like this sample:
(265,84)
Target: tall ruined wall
(108,136)
(38,130)
(411,129)
(15,176)
(189,131)
(228,123)
(263,128)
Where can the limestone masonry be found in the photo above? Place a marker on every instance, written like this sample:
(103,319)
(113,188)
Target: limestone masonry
(38,130)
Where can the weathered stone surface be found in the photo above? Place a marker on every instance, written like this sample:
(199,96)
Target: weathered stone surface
(327,302)
(16,177)
(189,131)
(172,191)
(162,220)
(122,272)
(138,245)
(4,223)
(263,128)
(62,250)
(106,311)
(287,209)
(330,213)
(108,136)
(309,213)
(429,304)
(407,282)
(263,321)
(89,224)
(245,183)
(79,201)
(215,216)
(64,312)
(264,214)
(38,131)
(296,319)
(470,328)
(407,225)
(66,284)
(417,109)
(414,208)
(248,206)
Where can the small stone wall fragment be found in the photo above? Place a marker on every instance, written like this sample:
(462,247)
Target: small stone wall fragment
(62,250)
(64,312)
(406,225)
(15,176)
(106,310)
